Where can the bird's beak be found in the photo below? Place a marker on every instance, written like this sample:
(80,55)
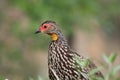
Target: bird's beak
(38,31)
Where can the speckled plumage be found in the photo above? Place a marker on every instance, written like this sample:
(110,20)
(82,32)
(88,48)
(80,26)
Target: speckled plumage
(64,63)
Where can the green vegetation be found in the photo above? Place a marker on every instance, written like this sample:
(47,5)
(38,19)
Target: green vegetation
(112,71)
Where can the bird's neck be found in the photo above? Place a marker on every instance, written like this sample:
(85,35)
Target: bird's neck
(59,38)
(54,36)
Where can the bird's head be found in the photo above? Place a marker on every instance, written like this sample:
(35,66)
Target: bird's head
(50,28)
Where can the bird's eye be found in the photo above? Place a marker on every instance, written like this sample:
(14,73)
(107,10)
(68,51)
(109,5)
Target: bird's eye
(45,26)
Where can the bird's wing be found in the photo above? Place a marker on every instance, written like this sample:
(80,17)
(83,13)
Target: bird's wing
(85,66)
(81,65)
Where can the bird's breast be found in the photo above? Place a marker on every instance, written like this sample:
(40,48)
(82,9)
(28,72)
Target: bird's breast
(61,62)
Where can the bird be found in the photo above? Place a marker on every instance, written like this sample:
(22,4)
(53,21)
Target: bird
(63,62)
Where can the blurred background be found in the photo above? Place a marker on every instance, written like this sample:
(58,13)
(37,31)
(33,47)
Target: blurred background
(92,28)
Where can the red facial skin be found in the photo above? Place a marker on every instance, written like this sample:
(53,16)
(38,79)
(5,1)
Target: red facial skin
(44,27)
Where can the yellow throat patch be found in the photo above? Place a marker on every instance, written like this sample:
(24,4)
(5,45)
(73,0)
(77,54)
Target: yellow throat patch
(54,36)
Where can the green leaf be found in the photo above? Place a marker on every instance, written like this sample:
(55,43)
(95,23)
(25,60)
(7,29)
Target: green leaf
(93,71)
(115,70)
(83,63)
(106,59)
(112,57)
(92,74)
